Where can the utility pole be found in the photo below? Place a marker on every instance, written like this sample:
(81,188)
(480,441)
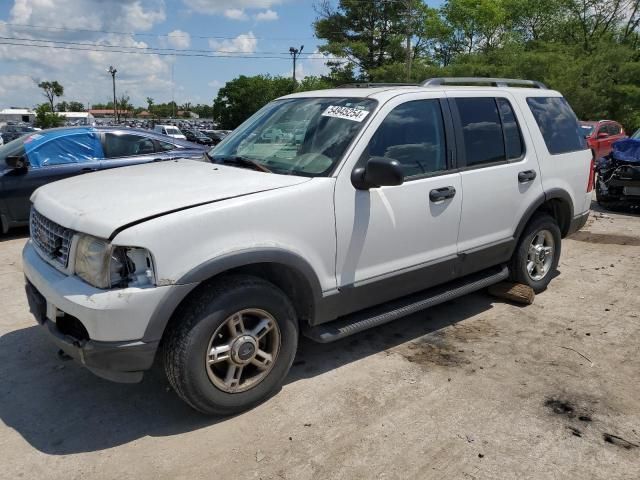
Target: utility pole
(295,53)
(113,72)
(409,13)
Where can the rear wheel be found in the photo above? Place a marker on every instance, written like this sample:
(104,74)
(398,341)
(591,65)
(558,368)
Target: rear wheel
(231,346)
(538,253)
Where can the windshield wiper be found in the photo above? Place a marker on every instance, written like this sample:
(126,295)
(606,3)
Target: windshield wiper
(242,162)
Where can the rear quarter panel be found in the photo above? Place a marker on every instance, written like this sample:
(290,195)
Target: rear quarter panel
(568,171)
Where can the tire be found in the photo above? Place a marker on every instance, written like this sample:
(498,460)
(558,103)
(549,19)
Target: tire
(205,321)
(539,224)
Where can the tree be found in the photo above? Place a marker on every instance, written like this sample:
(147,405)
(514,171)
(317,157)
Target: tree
(45,118)
(70,106)
(367,34)
(243,96)
(51,91)
(150,105)
(124,105)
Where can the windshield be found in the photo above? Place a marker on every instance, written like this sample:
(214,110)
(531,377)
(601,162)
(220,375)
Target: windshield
(11,149)
(298,136)
(586,129)
(173,131)
(636,135)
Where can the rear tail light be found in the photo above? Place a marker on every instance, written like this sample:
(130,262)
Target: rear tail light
(592,174)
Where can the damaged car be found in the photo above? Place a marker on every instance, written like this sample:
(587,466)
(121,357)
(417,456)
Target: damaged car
(618,175)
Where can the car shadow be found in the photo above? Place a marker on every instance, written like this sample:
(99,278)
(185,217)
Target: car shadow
(14,234)
(629,209)
(60,408)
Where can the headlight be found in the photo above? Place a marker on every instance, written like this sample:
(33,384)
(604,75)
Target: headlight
(107,266)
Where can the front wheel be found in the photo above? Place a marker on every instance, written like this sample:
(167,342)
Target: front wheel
(538,253)
(231,346)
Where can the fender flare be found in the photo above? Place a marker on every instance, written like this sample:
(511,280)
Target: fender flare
(216,266)
(554,193)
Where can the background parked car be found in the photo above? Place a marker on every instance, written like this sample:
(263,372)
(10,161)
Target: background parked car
(601,135)
(216,136)
(170,131)
(11,132)
(43,157)
(197,137)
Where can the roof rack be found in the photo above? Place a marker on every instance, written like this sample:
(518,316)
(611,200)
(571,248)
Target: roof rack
(495,82)
(374,85)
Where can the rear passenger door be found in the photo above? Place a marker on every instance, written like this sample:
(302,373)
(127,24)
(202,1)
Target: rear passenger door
(499,173)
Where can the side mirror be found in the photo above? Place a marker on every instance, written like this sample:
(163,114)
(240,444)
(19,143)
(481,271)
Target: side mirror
(17,162)
(603,135)
(378,172)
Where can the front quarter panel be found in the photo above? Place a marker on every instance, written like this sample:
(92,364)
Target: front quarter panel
(297,219)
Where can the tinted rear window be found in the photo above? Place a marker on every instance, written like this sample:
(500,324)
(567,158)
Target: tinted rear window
(482,130)
(559,125)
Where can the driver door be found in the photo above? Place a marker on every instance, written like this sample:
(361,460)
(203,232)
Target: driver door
(396,240)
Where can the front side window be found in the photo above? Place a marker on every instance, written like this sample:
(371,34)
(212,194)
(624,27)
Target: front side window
(413,134)
(298,136)
(165,147)
(481,130)
(44,150)
(558,124)
(126,145)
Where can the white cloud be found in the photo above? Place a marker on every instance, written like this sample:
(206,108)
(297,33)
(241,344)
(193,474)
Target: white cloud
(236,14)
(82,73)
(179,39)
(244,43)
(216,7)
(266,16)
(215,84)
(314,65)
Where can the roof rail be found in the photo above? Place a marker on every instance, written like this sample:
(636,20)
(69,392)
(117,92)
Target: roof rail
(495,82)
(374,85)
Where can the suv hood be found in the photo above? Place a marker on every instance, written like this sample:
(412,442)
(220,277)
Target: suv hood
(101,203)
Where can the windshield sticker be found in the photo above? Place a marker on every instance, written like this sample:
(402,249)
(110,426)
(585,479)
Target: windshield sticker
(35,136)
(346,113)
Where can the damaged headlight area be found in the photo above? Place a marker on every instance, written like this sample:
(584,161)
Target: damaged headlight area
(104,265)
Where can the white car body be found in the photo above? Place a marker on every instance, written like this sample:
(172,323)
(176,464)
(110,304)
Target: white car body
(170,131)
(198,220)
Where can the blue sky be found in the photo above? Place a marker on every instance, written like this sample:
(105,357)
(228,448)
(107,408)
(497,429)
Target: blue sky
(241,27)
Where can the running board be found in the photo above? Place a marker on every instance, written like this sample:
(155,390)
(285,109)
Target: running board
(388,312)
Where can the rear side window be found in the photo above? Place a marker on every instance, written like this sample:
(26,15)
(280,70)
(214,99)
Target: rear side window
(512,136)
(558,124)
(126,145)
(412,134)
(481,130)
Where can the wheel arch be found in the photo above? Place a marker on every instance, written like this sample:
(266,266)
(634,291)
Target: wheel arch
(287,270)
(555,202)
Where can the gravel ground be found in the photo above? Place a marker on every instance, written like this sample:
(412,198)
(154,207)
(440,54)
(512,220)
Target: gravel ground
(476,388)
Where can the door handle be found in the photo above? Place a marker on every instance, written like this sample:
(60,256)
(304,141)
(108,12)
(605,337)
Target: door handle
(439,194)
(89,169)
(527,176)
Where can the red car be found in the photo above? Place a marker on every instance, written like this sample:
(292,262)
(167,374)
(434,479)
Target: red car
(601,135)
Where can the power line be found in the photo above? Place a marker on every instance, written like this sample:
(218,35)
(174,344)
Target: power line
(133,47)
(163,54)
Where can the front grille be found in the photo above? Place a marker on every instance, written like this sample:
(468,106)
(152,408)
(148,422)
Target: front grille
(52,240)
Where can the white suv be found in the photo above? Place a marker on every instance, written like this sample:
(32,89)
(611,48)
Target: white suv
(395,198)
(170,131)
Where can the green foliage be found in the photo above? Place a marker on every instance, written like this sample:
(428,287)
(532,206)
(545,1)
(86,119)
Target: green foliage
(587,49)
(51,90)
(45,118)
(72,106)
(243,96)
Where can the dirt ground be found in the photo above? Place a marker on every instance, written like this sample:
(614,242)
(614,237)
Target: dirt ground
(476,388)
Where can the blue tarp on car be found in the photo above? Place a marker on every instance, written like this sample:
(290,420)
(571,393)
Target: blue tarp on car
(627,150)
(55,147)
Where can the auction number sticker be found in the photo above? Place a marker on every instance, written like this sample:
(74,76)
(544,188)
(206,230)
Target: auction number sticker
(346,113)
